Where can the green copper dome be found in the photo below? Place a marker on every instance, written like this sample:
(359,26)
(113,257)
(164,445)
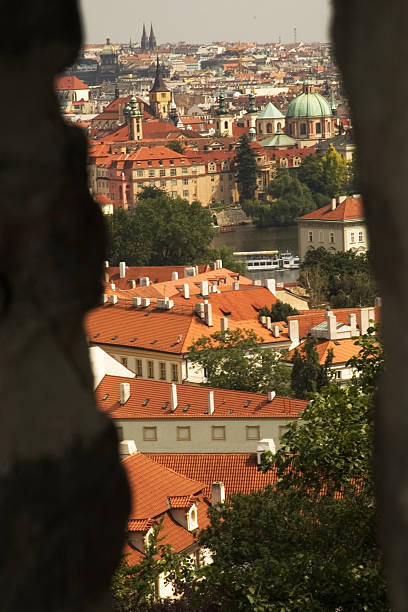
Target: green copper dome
(309,104)
(279,139)
(270,112)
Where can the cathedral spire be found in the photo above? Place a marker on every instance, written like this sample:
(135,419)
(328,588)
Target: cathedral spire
(152,39)
(159,84)
(144,42)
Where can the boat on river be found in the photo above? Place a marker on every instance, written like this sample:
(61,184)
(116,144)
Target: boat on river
(267,260)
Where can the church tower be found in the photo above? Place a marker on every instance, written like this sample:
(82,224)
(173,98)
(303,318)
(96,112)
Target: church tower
(144,43)
(224,121)
(160,96)
(134,119)
(152,39)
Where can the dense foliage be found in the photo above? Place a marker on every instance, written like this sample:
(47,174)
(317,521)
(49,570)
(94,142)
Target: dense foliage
(279,311)
(343,280)
(160,231)
(308,375)
(246,169)
(233,359)
(328,176)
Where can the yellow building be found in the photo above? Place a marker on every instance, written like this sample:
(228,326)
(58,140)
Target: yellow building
(160,97)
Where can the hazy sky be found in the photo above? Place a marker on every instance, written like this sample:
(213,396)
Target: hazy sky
(208,20)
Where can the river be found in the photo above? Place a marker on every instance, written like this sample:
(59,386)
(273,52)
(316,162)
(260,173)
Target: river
(251,238)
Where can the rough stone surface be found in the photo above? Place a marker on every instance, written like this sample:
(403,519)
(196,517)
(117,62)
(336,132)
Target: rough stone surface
(371,45)
(63,494)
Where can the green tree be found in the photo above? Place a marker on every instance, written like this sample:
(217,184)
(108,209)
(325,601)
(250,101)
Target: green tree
(246,169)
(160,231)
(334,173)
(310,173)
(175,145)
(308,375)
(151,193)
(279,311)
(233,359)
(327,177)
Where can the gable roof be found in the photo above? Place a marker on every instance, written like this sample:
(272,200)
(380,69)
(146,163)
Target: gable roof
(350,209)
(310,318)
(343,350)
(65,83)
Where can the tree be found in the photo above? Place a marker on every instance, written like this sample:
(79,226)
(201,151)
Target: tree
(160,231)
(279,311)
(333,173)
(233,359)
(150,192)
(225,253)
(308,375)
(246,169)
(175,145)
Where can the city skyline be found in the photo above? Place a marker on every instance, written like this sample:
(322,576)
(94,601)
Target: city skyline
(265,21)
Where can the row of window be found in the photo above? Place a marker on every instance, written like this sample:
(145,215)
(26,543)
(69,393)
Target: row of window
(150,369)
(218,432)
(164,172)
(353,236)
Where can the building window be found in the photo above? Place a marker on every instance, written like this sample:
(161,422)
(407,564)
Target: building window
(338,374)
(331,237)
(151,183)
(269,128)
(185,181)
(183,433)
(218,432)
(149,434)
(162,183)
(184,170)
(185,193)
(310,236)
(225,125)
(163,172)
(303,129)
(252,432)
(150,369)
(174,182)
(318,128)
(321,236)
(173,171)
(360,236)
(174,194)
(151,172)
(139,367)
(174,372)
(119,431)
(352,237)
(140,173)
(124,361)
(162,370)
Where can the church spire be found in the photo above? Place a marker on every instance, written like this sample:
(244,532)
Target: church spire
(144,42)
(159,84)
(152,39)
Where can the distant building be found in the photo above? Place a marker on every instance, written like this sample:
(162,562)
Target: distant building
(339,226)
(109,69)
(160,97)
(309,117)
(269,120)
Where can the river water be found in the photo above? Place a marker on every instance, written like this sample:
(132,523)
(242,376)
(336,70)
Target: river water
(251,238)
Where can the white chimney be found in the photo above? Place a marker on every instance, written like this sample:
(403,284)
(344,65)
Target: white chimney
(364,320)
(208,315)
(132,284)
(189,271)
(144,281)
(217,493)
(174,276)
(293,330)
(219,264)
(137,301)
(276,330)
(145,302)
(113,299)
(122,269)
(235,286)
(265,445)
(224,323)
(106,264)
(113,286)
(352,319)
(186,291)
(126,448)
(258,282)
(210,409)
(204,288)
(173,397)
(271,395)
(124,393)
(341,199)
(263,320)
(162,302)
(331,325)
(333,204)
(270,283)
(105,298)
(268,323)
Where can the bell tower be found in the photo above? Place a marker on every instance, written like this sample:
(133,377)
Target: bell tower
(134,118)
(160,96)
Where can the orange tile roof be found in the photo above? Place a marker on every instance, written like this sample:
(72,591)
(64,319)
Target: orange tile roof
(142,525)
(192,402)
(156,274)
(69,83)
(152,484)
(181,501)
(351,209)
(343,350)
(238,471)
(310,318)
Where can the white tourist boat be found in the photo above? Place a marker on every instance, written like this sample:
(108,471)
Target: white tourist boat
(267,260)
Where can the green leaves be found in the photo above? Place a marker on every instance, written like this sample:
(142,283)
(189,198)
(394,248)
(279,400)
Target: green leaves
(246,169)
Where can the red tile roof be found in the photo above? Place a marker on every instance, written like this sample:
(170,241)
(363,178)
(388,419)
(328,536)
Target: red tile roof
(181,501)
(351,209)
(227,404)
(310,318)
(238,471)
(70,83)
(343,350)
(156,274)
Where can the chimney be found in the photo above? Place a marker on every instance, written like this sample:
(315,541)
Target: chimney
(145,302)
(106,264)
(173,397)
(106,277)
(263,320)
(235,286)
(126,448)
(353,324)
(331,325)
(224,323)
(364,320)
(113,299)
(174,276)
(271,395)
(217,493)
(137,301)
(124,393)
(258,282)
(144,281)
(341,199)
(204,288)
(276,330)
(293,330)
(208,314)
(333,204)
(122,269)
(210,409)
(105,298)
(268,323)
(270,283)
(186,291)
(113,286)
(132,284)
(265,445)
(377,302)
(219,264)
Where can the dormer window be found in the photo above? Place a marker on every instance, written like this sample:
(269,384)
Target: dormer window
(192,518)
